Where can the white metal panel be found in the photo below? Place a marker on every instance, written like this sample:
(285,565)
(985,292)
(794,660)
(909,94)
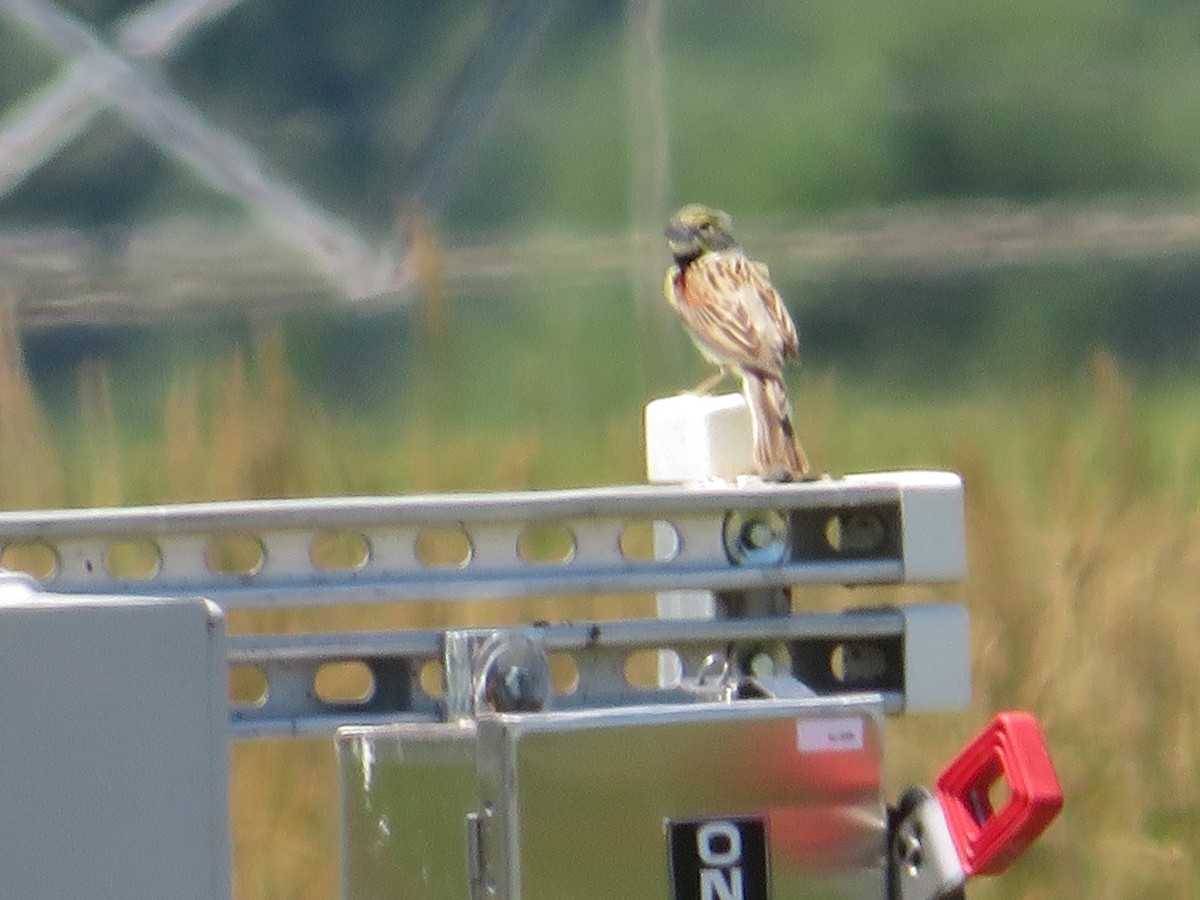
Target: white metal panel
(113,747)
(937,658)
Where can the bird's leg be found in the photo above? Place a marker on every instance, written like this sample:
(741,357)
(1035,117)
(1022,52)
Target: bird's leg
(705,387)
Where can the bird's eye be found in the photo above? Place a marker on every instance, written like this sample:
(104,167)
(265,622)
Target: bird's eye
(706,226)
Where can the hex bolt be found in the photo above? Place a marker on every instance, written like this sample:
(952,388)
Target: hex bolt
(909,850)
(513,674)
(762,665)
(757,537)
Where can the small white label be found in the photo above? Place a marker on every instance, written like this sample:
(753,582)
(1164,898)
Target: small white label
(829,735)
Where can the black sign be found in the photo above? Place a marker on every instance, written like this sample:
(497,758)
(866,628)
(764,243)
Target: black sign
(718,859)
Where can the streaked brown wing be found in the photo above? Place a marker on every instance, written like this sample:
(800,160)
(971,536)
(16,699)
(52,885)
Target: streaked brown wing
(776,307)
(731,308)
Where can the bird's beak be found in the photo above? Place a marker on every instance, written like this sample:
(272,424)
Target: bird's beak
(678,233)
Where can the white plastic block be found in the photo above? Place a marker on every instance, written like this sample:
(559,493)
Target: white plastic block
(115,747)
(937,658)
(692,438)
(932,522)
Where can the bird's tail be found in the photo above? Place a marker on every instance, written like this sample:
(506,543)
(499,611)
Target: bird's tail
(777,452)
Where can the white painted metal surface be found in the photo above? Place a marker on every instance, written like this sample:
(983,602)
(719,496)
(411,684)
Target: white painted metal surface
(937,658)
(114,747)
(915,658)
(931,514)
(264,554)
(183,542)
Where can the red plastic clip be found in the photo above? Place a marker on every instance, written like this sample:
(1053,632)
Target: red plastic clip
(1012,748)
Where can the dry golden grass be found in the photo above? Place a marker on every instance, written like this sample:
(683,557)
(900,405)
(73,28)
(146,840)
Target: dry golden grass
(1084,537)
(30,475)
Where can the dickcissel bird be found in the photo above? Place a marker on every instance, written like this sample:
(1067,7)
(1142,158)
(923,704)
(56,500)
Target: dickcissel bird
(739,322)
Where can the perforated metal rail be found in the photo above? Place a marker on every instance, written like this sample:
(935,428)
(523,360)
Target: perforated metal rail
(909,658)
(888,528)
(858,530)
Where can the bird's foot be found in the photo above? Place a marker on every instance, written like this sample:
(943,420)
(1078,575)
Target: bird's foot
(779,476)
(705,388)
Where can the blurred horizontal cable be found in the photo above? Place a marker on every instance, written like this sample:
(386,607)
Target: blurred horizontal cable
(184,267)
(939,239)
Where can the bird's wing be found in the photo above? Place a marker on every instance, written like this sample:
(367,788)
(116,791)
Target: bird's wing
(728,304)
(777,309)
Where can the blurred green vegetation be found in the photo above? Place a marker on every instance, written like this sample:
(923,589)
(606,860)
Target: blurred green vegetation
(773,106)
(558,360)
(778,111)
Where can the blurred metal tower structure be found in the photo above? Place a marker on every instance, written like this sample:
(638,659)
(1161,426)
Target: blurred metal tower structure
(111,71)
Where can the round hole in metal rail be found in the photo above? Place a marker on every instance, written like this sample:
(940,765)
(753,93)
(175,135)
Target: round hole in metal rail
(340,551)
(35,558)
(443,547)
(546,542)
(837,663)
(247,686)
(855,533)
(349,681)
(564,673)
(756,537)
(643,668)
(857,663)
(432,678)
(649,541)
(235,554)
(136,559)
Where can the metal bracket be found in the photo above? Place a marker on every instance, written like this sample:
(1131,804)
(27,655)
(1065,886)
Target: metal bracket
(811,648)
(744,543)
(270,553)
(922,855)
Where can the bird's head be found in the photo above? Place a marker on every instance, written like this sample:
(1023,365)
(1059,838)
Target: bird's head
(696,230)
